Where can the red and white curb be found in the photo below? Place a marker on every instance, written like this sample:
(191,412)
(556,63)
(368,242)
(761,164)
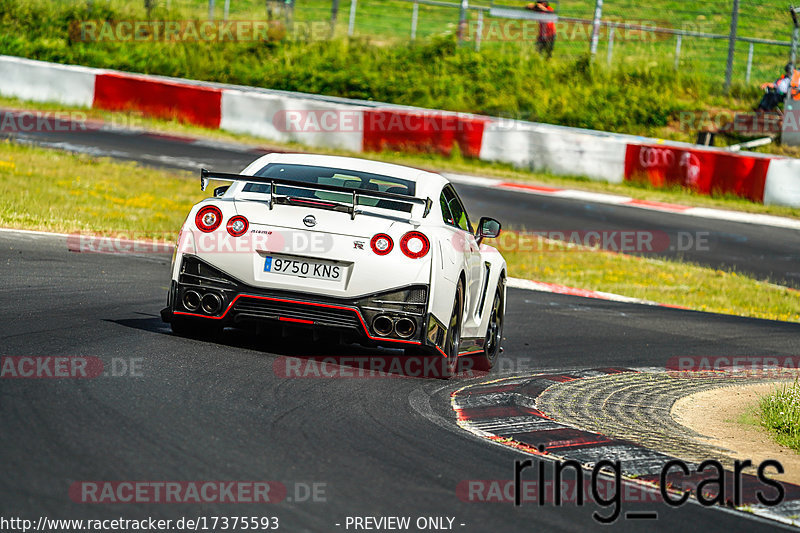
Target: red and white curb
(504,411)
(541,286)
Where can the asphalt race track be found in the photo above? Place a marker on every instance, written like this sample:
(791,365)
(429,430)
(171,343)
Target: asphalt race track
(197,410)
(217,411)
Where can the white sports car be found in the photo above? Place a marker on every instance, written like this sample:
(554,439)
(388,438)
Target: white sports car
(383,254)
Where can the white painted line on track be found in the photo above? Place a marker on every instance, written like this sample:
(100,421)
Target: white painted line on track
(613,199)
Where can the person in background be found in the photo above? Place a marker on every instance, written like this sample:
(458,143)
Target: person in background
(547,30)
(775,92)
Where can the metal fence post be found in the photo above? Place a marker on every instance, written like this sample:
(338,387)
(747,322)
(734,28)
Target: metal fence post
(598,14)
(351,25)
(791,107)
(334,15)
(795,11)
(678,52)
(414,16)
(731,45)
(610,54)
(210,9)
(462,21)
(749,63)
(288,12)
(227,10)
(480,31)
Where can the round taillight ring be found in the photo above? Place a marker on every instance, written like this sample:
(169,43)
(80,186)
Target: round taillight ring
(381,244)
(415,245)
(208,218)
(237,226)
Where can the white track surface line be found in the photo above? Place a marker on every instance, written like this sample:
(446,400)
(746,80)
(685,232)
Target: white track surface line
(530,285)
(32,232)
(613,199)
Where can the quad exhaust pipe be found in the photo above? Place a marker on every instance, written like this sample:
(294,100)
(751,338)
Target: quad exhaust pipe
(405,327)
(385,325)
(191,300)
(382,325)
(211,303)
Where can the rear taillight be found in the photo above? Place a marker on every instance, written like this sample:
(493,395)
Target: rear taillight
(414,244)
(381,244)
(208,218)
(237,226)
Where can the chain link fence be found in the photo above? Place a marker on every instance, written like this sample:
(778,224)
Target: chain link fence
(692,37)
(689,36)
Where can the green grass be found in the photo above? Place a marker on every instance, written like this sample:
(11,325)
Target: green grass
(641,94)
(749,417)
(780,414)
(670,282)
(391,19)
(52,191)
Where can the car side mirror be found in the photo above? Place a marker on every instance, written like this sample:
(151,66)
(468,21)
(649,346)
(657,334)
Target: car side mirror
(219,191)
(488,228)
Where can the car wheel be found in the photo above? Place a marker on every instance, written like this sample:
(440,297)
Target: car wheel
(453,340)
(494,331)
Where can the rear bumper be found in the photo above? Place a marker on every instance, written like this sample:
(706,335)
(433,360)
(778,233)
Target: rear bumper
(232,303)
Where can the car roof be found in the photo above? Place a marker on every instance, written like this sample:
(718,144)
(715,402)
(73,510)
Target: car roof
(428,183)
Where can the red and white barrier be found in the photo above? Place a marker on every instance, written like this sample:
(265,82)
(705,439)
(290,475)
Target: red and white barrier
(284,119)
(562,151)
(422,130)
(195,104)
(705,171)
(362,126)
(39,81)
(782,185)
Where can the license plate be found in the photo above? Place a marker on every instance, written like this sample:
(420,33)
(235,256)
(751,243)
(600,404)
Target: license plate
(303,269)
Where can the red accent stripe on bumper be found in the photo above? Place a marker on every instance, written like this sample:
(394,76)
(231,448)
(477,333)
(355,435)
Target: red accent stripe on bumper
(298,320)
(329,306)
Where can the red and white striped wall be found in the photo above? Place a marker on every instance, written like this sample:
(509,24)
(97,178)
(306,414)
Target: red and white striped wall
(365,126)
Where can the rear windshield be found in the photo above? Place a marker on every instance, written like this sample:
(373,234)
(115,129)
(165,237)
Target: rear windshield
(350,179)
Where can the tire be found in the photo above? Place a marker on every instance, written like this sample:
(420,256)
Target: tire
(453,340)
(494,331)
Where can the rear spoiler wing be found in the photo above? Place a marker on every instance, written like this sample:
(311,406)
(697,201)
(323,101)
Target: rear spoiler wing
(206,175)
